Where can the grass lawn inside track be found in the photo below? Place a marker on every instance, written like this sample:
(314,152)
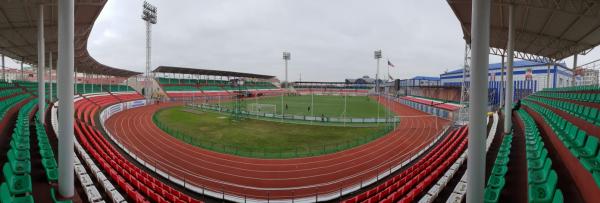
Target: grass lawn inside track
(257,138)
(329,106)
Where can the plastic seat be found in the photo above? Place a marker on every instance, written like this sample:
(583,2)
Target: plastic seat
(49,163)
(589,149)
(499,170)
(52,174)
(20,155)
(47,153)
(502,161)
(19,145)
(571,131)
(592,115)
(533,155)
(44,146)
(543,192)
(558,197)
(491,195)
(496,182)
(17,184)
(540,175)
(591,164)
(579,140)
(5,196)
(538,163)
(17,166)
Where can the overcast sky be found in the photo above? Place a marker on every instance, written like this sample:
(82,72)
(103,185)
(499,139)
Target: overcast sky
(329,40)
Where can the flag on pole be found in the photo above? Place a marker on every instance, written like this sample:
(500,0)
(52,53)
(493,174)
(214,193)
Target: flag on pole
(390,64)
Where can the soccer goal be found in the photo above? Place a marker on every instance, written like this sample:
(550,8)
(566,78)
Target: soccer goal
(261,108)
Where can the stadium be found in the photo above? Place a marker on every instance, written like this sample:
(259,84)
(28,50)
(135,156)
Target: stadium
(73,129)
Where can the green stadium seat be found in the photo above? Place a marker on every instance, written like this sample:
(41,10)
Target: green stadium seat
(536,164)
(539,175)
(578,142)
(558,197)
(592,116)
(491,195)
(496,182)
(6,197)
(47,153)
(571,131)
(17,166)
(49,163)
(502,161)
(52,174)
(20,155)
(532,155)
(543,192)
(589,149)
(17,184)
(19,145)
(591,164)
(499,170)
(44,146)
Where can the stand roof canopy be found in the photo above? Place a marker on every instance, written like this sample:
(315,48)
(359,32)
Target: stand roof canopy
(18,33)
(194,71)
(545,30)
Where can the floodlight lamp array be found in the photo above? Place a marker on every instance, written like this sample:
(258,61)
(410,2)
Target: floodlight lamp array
(149,13)
(377,54)
(287,56)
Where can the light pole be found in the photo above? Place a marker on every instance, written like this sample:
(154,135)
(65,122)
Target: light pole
(378,58)
(148,15)
(286,57)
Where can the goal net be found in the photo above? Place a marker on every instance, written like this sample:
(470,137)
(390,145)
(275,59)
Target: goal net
(261,108)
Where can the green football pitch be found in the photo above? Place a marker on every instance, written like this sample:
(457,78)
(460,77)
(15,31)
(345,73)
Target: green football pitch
(258,138)
(328,106)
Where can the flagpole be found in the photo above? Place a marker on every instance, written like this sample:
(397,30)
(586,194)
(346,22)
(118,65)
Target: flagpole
(388,60)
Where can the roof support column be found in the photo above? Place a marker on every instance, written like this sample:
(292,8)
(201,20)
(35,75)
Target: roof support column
(102,79)
(502,81)
(41,64)
(50,76)
(574,67)
(22,73)
(3,70)
(66,181)
(86,76)
(480,46)
(548,75)
(509,72)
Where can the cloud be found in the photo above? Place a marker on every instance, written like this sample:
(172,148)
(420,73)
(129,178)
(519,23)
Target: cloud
(329,40)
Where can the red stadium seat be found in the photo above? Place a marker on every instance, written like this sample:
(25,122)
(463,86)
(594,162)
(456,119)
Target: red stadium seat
(126,175)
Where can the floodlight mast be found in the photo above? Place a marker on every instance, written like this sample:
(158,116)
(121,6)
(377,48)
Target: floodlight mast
(148,15)
(286,57)
(377,56)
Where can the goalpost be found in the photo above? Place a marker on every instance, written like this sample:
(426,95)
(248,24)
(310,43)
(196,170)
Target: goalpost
(261,108)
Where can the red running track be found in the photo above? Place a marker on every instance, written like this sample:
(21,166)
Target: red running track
(272,178)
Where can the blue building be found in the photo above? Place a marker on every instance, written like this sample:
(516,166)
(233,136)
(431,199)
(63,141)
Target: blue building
(530,72)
